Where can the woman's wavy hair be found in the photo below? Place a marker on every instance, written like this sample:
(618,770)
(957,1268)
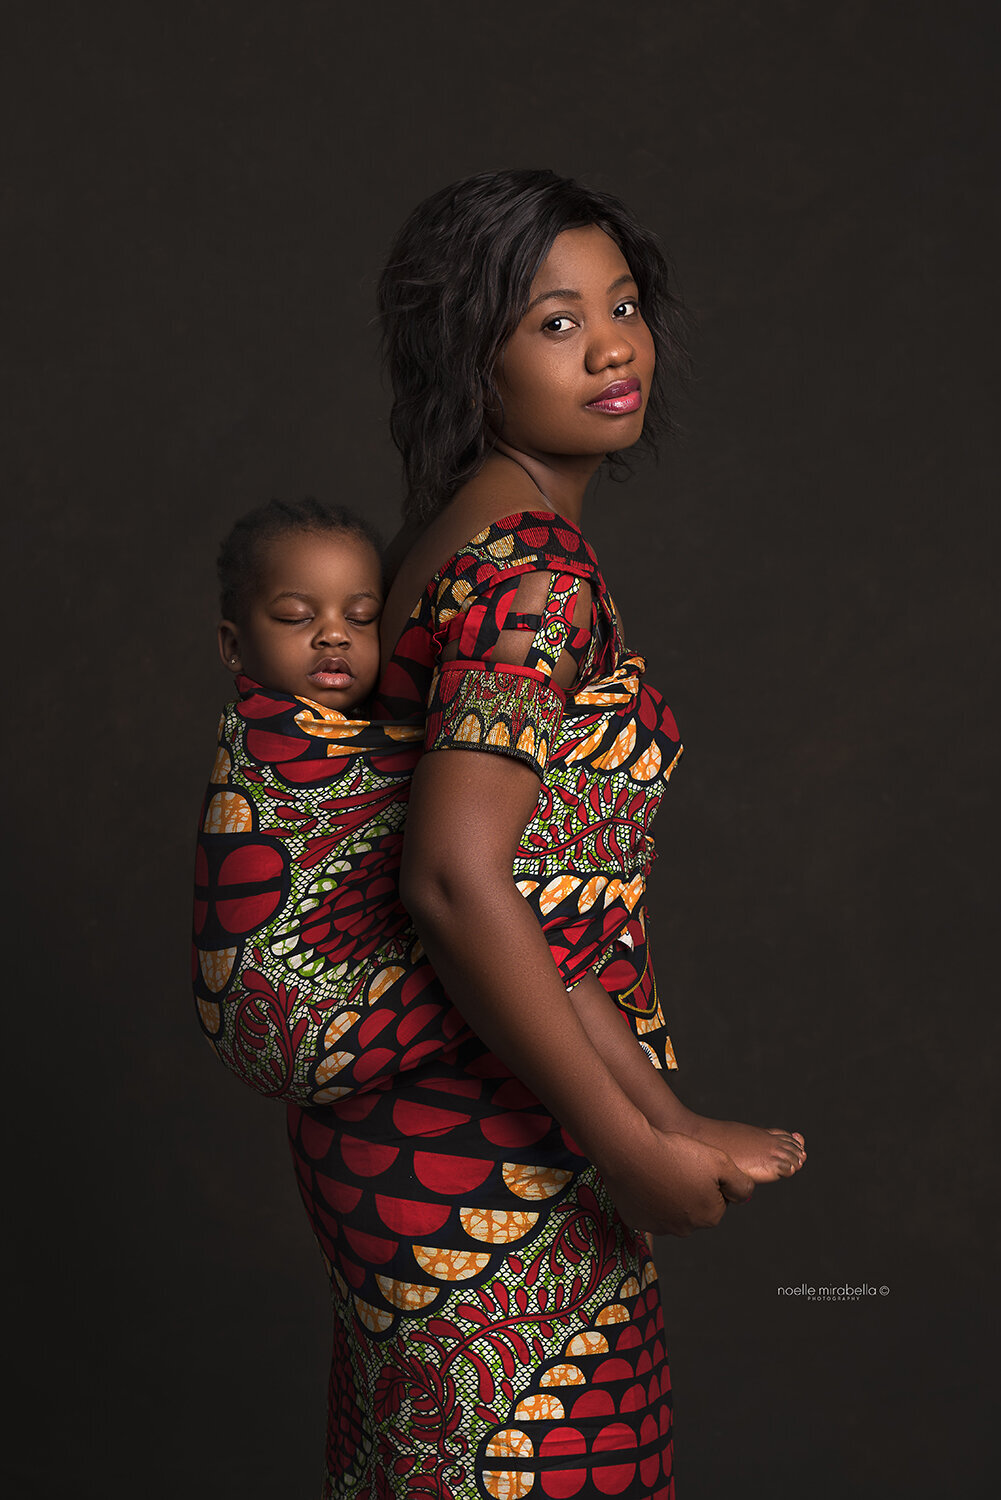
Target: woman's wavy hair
(456,287)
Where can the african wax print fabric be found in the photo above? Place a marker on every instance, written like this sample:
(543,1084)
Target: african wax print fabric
(497,1327)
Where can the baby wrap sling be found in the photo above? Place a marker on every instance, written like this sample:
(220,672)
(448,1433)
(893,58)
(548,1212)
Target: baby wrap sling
(308,976)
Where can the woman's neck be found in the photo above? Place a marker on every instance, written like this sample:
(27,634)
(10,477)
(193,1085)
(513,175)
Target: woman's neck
(561,481)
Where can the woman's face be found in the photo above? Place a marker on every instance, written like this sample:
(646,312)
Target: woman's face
(575,375)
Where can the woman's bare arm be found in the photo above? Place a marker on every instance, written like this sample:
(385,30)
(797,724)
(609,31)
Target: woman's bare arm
(467,812)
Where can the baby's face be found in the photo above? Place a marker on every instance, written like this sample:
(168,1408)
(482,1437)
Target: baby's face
(312,627)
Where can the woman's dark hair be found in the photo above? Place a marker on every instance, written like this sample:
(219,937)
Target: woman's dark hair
(238,563)
(456,287)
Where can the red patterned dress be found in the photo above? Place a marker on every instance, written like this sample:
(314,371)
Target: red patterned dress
(498,1329)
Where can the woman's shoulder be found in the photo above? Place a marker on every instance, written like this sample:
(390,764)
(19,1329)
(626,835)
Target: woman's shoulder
(497,539)
(501,500)
(479,537)
(518,540)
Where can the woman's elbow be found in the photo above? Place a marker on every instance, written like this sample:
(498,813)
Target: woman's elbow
(425,887)
(440,893)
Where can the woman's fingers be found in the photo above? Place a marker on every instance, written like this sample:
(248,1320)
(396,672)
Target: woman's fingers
(734,1184)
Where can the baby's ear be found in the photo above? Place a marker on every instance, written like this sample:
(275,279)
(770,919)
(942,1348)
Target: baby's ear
(229,646)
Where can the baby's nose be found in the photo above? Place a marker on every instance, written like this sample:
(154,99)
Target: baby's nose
(334,630)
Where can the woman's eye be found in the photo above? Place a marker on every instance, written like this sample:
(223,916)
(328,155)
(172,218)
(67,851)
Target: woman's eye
(626,309)
(560,324)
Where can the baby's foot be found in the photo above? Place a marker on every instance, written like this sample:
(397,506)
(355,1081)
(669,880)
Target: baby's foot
(765,1155)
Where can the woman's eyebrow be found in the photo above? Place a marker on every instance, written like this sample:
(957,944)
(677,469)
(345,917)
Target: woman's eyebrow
(568,294)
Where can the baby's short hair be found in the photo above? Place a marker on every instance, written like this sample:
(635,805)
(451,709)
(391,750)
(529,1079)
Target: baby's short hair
(240,549)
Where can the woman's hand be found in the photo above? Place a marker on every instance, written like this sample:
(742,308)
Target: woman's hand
(672,1184)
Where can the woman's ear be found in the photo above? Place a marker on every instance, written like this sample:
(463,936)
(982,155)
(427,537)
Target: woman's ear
(229,646)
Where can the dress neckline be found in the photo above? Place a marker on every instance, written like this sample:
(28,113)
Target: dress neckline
(501,525)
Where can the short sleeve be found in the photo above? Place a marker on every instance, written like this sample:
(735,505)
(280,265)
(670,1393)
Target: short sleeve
(505,710)
(478,702)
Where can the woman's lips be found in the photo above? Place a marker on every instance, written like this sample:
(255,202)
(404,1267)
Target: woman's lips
(332,672)
(619,398)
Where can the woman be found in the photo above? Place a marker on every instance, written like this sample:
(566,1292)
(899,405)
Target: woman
(497,1325)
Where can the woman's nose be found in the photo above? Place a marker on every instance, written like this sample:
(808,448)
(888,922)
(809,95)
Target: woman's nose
(610,346)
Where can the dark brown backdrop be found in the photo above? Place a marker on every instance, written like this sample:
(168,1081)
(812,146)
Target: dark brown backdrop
(203,196)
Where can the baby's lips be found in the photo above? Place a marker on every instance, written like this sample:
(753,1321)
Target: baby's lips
(332,664)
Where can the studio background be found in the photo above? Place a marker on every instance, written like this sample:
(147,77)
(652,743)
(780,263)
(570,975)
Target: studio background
(202,198)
